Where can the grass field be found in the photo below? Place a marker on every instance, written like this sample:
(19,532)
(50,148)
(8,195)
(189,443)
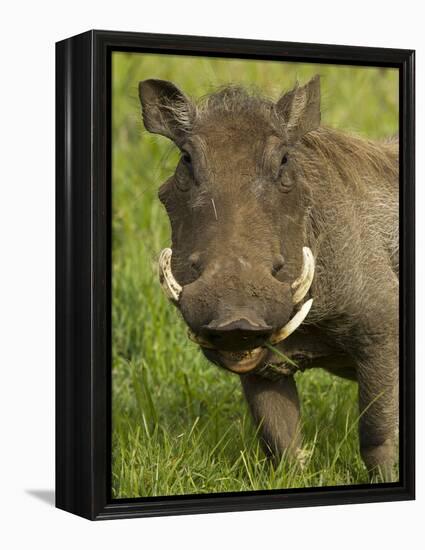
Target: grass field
(180,425)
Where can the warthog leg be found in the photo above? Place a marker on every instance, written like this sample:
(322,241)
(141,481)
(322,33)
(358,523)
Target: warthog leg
(275,407)
(378,402)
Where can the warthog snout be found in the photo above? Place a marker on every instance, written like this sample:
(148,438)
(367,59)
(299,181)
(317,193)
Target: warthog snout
(236,333)
(231,312)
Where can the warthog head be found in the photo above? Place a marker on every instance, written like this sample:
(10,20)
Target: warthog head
(240,268)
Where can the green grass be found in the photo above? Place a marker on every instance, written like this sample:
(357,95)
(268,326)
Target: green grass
(180,425)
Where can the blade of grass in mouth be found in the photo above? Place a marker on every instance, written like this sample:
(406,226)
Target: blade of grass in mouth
(280,354)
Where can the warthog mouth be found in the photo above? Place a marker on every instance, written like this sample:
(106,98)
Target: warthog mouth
(244,361)
(239,362)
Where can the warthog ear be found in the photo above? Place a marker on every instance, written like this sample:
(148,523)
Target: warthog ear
(300,109)
(166,110)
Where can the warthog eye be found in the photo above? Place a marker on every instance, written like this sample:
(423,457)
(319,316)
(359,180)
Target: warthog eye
(186,158)
(184,172)
(285,183)
(284,160)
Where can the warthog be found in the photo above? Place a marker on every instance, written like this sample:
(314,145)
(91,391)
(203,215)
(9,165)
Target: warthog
(284,232)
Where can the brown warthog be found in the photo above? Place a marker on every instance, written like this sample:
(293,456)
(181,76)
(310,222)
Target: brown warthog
(284,232)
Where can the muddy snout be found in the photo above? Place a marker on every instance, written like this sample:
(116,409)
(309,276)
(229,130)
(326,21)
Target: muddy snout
(240,317)
(237,333)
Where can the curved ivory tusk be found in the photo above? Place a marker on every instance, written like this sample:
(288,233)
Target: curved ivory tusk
(292,324)
(302,285)
(171,287)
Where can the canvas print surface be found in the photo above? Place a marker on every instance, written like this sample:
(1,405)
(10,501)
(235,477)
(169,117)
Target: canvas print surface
(255,302)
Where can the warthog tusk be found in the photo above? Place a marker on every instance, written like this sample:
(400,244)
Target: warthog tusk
(302,285)
(171,287)
(292,324)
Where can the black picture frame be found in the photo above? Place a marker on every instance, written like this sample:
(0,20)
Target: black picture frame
(83,272)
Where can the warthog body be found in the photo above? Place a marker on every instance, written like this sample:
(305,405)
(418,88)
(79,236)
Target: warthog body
(259,182)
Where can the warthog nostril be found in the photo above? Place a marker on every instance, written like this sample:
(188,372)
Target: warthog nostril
(238,324)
